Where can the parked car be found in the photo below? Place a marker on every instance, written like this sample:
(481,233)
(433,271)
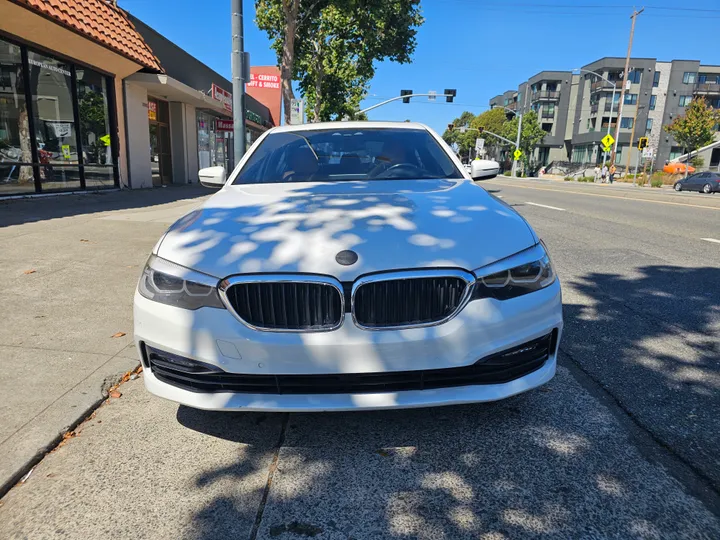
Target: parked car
(311,285)
(678,168)
(706,182)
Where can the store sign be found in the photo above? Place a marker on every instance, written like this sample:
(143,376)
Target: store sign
(264,80)
(253,117)
(297,111)
(224,125)
(152,110)
(49,67)
(223,97)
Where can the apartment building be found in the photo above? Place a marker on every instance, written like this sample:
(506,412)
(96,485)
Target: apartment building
(577,109)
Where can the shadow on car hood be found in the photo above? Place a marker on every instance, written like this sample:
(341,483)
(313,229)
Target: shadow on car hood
(390,224)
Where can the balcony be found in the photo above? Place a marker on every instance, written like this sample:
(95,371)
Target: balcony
(545,95)
(512,105)
(593,108)
(612,108)
(706,88)
(547,115)
(601,85)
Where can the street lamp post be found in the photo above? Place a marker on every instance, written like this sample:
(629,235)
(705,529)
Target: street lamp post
(612,103)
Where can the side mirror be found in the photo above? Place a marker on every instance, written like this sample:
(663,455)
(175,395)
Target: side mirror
(484,169)
(212,177)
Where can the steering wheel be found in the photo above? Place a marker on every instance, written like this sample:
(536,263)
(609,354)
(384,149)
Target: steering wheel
(397,167)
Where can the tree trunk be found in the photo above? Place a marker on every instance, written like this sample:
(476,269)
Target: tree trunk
(318,82)
(290,10)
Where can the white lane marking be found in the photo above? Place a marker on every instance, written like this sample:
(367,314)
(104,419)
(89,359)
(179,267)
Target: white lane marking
(711,240)
(546,206)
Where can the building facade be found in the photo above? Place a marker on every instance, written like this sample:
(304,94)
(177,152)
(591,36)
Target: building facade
(578,109)
(92,98)
(181,119)
(61,73)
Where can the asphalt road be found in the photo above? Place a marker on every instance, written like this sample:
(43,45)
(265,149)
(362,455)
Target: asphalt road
(621,444)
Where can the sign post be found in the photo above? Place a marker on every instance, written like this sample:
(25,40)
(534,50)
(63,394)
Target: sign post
(297,111)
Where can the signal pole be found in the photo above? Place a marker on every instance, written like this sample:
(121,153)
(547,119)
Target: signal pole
(622,88)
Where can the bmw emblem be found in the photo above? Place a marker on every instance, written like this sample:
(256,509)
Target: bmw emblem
(346,257)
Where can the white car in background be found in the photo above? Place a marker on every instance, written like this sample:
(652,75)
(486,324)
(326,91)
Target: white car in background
(386,278)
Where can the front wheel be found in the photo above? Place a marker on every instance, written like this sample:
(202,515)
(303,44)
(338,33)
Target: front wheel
(707,188)
(678,186)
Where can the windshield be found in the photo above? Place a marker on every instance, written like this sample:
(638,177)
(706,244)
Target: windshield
(333,155)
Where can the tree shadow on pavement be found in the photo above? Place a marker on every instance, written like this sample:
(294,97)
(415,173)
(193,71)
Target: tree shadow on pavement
(19,211)
(652,341)
(550,463)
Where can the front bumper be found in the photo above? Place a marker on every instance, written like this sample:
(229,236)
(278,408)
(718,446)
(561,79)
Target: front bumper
(484,327)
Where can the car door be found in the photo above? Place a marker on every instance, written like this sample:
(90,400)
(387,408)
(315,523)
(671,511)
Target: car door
(693,182)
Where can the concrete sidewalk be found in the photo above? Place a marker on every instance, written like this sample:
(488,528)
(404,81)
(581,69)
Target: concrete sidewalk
(71,264)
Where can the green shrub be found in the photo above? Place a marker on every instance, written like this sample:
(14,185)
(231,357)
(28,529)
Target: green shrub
(568,178)
(507,173)
(586,179)
(656,182)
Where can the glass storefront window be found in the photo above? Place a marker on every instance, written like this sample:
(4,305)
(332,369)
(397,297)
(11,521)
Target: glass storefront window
(14,127)
(94,128)
(54,119)
(214,147)
(65,111)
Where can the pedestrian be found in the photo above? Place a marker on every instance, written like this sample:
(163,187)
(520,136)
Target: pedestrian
(612,173)
(597,173)
(603,173)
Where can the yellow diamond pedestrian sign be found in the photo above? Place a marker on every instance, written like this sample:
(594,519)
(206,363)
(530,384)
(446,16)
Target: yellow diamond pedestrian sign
(607,149)
(517,154)
(608,140)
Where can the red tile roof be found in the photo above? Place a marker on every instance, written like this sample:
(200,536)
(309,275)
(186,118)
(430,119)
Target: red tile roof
(100,21)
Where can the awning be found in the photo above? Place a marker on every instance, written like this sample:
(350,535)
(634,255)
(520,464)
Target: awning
(170,89)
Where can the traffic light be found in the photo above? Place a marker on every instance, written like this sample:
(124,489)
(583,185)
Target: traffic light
(480,130)
(450,94)
(406,93)
(451,127)
(642,143)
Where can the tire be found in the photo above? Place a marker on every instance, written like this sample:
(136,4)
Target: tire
(707,188)
(677,186)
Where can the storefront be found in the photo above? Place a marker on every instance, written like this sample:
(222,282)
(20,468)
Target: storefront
(187,113)
(58,97)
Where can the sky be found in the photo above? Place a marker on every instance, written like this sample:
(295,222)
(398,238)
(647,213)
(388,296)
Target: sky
(479,47)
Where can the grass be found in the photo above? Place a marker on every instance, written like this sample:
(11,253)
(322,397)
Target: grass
(507,173)
(656,182)
(568,178)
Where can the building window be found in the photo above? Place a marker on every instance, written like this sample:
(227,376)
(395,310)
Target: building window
(95,130)
(630,99)
(702,78)
(653,100)
(685,101)
(675,152)
(634,76)
(648,125)
(54,121)
(689,77)
(626,123)
(656,79)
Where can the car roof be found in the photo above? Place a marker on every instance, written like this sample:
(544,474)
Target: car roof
(349,125)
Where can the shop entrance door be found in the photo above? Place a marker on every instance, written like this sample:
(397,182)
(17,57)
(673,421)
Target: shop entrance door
(160,154)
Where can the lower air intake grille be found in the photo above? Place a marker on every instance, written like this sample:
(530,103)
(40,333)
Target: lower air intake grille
(499,368)
(292,306)
(413,301)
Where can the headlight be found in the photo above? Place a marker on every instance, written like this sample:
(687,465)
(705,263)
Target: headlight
(520,274)
(175,285)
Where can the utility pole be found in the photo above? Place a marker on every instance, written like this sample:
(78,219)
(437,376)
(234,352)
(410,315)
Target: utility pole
(238,81)
(622,88)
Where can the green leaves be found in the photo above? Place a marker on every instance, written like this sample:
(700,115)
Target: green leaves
(331,47)
(697,127)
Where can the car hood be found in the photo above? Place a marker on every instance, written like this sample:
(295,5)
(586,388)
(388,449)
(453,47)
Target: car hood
(390,224)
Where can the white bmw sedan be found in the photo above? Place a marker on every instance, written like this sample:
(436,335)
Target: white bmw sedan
(348,266)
